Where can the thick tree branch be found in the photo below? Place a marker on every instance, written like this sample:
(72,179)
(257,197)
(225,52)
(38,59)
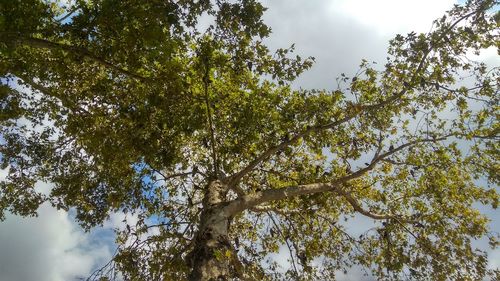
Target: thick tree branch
(358,208)
(267,209)
(251,200)
(350,199)
(45,44)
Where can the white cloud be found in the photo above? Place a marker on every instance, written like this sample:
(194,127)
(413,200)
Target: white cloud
(391,16)
(494,259)
(49,247)
(120,220)
(282,257)
(489,56)
(339,33)
(4,173)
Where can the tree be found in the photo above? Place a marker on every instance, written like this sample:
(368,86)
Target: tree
(133,107)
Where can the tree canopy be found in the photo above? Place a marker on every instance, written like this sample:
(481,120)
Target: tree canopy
(177,112)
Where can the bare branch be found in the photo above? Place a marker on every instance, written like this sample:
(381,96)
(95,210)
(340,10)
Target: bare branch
(285,238)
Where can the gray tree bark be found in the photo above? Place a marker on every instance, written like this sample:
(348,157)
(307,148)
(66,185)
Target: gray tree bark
(213,258)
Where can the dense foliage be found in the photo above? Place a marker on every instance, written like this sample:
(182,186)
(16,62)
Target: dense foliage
(176,112)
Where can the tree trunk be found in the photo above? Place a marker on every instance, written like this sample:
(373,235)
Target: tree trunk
(213,257)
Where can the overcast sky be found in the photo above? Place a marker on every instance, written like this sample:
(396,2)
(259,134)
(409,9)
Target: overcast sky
(338,33)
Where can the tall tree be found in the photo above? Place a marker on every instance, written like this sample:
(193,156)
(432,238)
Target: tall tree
(177,113)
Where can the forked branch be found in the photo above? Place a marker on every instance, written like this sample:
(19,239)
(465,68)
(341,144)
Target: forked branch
(254,199)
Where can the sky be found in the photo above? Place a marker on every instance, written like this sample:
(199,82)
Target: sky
(338,33)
